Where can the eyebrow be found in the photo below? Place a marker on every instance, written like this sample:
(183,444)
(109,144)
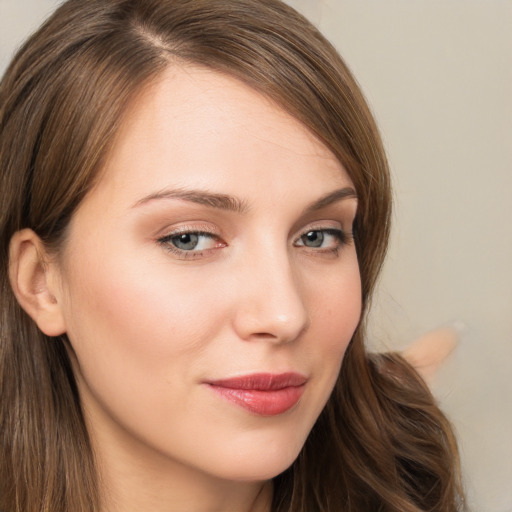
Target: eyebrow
(202,197)
(330,198)
(233,204)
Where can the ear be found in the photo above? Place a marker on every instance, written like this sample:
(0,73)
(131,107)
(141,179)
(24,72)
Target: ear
(428,352)
(35,281)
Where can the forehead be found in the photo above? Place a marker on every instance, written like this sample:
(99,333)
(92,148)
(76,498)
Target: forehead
(197,128)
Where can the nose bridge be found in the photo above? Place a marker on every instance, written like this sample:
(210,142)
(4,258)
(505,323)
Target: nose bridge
(273,305)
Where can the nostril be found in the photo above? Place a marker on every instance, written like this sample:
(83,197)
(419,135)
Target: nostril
(264,335)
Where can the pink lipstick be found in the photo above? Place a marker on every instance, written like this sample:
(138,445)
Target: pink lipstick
(262,393)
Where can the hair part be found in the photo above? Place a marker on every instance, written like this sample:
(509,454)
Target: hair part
(62,101)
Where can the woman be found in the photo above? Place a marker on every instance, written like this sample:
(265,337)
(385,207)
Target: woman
(195,207)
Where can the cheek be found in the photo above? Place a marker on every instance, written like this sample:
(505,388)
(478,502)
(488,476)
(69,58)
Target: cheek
(335,315)
(139,303)
(139,339)
(135,327)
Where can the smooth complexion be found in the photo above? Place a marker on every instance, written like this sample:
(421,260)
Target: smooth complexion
(216,246)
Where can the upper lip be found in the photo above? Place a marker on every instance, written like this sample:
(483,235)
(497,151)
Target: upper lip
(262,381)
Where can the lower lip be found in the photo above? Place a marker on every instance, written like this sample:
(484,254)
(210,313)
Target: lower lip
(264,403)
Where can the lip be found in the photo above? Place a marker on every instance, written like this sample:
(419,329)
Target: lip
(265,394)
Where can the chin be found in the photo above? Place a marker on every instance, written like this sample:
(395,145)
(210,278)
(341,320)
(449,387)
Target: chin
(260,463)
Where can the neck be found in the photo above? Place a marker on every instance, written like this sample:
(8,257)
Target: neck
(134,488)
(133,478)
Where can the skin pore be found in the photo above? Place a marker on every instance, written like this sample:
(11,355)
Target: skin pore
(216,244)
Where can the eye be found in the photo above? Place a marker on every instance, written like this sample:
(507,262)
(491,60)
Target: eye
(313,239)
(191,243)
(325,239)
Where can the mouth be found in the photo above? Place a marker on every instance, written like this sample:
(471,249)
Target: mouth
(263,394)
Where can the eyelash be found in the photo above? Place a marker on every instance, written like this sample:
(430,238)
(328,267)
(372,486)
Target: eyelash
(343,239)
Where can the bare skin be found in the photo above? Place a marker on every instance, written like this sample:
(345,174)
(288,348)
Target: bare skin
(216,245)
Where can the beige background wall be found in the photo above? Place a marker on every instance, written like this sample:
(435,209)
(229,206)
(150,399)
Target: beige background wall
(438,74)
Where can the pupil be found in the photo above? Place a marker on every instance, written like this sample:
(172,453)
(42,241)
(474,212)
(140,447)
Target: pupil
(314,238)
(186,242)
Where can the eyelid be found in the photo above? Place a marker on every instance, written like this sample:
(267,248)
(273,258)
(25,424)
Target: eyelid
(201,227)
(326,225)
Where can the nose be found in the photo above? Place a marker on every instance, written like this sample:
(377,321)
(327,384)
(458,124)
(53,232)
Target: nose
(270,304)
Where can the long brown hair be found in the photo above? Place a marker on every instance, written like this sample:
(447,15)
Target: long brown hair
(381,443)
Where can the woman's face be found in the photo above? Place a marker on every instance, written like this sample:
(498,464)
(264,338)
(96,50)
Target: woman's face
(209,282)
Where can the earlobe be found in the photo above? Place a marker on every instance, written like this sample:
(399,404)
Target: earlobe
(33,280)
